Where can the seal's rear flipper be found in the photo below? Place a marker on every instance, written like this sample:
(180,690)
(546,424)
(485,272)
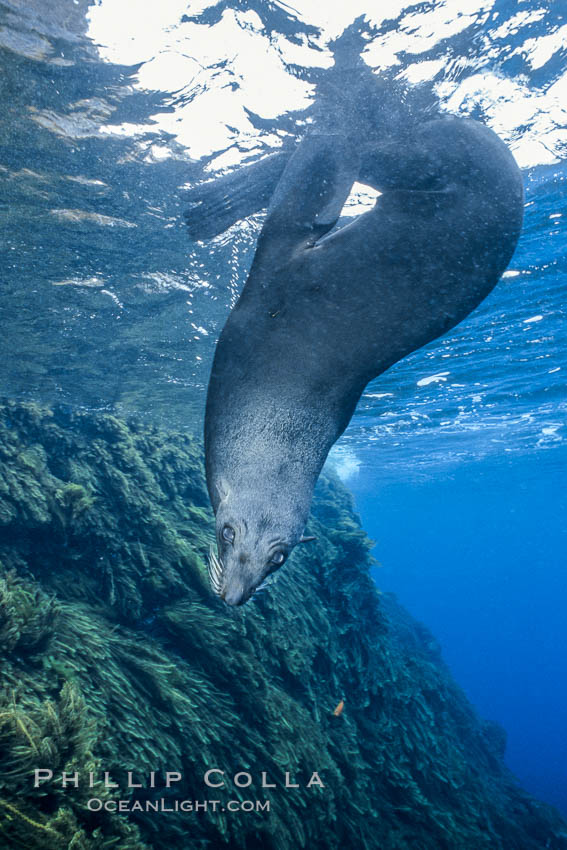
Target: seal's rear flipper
(216,205)
(311,193)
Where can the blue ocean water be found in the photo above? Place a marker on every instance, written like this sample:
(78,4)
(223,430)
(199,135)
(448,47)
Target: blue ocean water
(457,455)
(478,554)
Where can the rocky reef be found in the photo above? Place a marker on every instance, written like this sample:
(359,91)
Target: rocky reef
(116,657)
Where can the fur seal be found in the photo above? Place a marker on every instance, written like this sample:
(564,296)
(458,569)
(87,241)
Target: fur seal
(323,313)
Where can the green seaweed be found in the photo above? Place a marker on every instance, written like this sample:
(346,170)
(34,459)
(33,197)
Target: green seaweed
(27,615)
(116,656)
(71,501)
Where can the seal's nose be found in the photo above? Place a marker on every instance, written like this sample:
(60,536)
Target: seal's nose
(234,595)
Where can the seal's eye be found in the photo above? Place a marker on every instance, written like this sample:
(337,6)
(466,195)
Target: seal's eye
(228,533)
(278,559)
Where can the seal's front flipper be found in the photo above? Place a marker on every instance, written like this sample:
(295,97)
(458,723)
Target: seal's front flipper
(216,205)
(311,193)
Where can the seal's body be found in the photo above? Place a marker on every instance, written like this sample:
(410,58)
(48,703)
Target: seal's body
(322,315)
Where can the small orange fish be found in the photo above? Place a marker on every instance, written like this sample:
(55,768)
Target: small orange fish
(339,709)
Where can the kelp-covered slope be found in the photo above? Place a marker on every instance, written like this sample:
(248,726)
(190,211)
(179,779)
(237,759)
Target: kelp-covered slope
(115,656)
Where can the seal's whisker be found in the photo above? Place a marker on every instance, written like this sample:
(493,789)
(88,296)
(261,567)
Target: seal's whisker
(215,569)
(216,578)
(215,566)
(264,585)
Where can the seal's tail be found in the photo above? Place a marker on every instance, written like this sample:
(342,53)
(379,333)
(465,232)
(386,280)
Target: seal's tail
(216,205)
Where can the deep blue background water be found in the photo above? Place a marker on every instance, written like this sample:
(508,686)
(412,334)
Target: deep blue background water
(479,556)
(460,449)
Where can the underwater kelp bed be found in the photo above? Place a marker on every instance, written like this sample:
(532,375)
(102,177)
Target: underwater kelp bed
(116,656)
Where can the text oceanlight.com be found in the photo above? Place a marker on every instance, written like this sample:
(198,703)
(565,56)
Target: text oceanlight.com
(162,805)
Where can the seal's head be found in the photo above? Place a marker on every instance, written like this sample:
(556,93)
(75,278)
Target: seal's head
(252,547)
(249,553)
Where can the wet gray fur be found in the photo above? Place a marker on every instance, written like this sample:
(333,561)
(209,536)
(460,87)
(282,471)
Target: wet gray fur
(322,314)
